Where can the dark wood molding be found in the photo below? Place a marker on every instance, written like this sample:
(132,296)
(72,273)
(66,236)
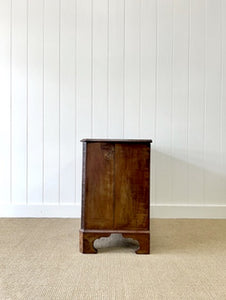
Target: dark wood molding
(116,140)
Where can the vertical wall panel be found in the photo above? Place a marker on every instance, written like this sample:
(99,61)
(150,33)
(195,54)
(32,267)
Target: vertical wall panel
(213,110)
(115,68)
(132,68)
(19,101)
(147,68)
(51,101)
(164,79)
(100,68)
(5,75)
(148,27)
(180,105)
(223,101)
(196,101)
(84,67)
(84,115)
(35,101)
(67,101)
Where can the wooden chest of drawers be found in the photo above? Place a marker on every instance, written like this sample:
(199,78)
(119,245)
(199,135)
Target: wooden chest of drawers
(115,191)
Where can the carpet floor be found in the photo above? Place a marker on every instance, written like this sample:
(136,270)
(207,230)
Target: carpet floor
(40,259)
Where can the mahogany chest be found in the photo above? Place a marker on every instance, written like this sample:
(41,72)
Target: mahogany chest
(115,191)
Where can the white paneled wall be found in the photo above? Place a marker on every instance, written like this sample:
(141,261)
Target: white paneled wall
(71,69)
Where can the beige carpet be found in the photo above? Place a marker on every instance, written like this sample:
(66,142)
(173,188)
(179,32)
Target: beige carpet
(40,259)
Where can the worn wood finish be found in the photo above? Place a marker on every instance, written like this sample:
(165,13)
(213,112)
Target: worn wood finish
(132,163)
(99,186)
(115,193)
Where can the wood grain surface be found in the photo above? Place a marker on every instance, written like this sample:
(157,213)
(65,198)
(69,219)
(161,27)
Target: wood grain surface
(132,186)
(99,186)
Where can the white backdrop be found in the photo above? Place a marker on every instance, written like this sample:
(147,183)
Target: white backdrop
(71,69)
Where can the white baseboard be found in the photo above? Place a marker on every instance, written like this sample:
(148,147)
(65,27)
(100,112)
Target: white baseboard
(74,211)
(188,211)
(40,211)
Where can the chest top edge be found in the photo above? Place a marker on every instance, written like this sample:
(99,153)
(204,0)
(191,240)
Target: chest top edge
(116,140)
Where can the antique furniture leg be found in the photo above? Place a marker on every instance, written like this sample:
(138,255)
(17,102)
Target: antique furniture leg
(143,239)
(87,240)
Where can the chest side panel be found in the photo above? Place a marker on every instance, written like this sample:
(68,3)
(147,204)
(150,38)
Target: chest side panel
(99,176)
(132,177)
